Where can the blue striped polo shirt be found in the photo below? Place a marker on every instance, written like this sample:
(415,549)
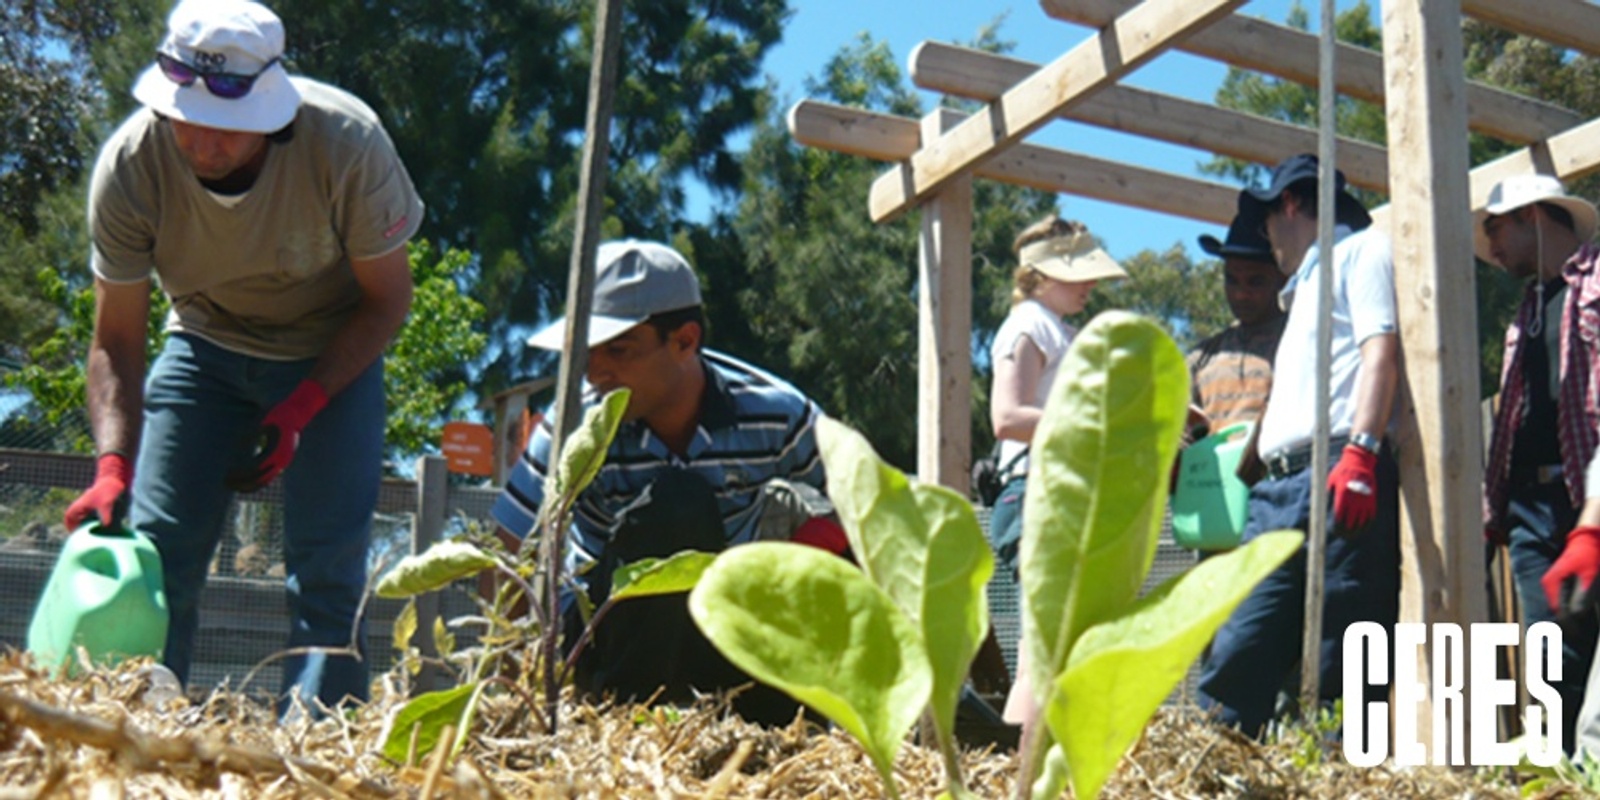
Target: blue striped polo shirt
(753,427)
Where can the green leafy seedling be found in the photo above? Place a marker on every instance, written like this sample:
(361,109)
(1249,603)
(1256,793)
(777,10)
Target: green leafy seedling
(1100,662)
(922,544)
(446,562)
(439,566)
(1121,670)
(427,715)
(807,622)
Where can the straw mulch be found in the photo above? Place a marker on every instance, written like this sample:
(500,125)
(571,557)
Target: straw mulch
(112,735)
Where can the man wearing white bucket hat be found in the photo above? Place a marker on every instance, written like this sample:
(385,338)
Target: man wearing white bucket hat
(1542,483)
(275,213)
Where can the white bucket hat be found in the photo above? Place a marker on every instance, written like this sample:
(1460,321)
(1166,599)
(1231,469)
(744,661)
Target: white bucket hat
(232,37)
(1072,258)
(633,281)
(1523,190)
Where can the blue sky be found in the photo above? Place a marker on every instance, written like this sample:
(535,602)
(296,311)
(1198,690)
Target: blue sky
(820,27)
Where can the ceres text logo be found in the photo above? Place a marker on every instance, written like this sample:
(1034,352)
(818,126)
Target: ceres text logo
(1368,657)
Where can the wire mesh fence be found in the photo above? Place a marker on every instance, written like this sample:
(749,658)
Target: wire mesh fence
(244,619)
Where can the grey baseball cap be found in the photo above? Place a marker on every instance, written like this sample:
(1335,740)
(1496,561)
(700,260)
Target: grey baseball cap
(633,281)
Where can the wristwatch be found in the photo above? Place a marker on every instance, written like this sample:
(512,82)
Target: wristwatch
(1367,442)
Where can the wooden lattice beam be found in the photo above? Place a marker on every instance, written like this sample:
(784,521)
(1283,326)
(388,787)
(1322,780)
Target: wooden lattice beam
(885,137)
(1568,23)
(1259,45)
(1129,41)
(978,75)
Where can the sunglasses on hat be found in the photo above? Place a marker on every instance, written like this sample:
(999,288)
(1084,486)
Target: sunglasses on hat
(225,85)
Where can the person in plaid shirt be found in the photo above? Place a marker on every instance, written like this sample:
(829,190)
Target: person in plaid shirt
(1540,495)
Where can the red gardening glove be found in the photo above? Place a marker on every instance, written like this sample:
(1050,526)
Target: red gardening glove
(275,441)
(1567,582)
(824,533)
(107,497)
(1354,484)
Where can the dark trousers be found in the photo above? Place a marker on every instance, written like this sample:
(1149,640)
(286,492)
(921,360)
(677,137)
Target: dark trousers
(1257,648)
(1540,516)
(650,643)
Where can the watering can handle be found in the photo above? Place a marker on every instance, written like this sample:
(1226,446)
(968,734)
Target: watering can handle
(1234,429)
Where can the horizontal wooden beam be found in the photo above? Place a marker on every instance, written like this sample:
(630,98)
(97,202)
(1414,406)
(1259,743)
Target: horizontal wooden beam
(889,138)
(979,75)
(1256,44)
(1568,155)
(1129,41)
(1568,23)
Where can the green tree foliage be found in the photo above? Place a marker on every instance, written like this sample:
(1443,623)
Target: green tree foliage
(829,298)
(1186,297)
(486,98)
(424,369)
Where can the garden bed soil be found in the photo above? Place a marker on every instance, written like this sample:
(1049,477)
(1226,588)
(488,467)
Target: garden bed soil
(109,734)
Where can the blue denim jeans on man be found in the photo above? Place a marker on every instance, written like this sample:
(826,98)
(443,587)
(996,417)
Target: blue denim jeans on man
(1540,516)
(1256,650)
(202,405)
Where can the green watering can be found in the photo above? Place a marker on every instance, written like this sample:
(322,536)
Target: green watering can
(105,595)
(1210,504)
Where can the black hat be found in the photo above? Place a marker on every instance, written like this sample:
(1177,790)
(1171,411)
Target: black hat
(1244,237)
(1348,210)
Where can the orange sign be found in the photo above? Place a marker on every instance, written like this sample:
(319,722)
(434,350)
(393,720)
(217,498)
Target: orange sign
(469,448)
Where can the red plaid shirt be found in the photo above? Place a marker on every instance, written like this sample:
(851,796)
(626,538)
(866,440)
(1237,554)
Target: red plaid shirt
(1578,407)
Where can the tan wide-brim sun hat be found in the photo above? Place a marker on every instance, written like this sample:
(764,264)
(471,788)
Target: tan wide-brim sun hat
(1523,190)
(1073,258)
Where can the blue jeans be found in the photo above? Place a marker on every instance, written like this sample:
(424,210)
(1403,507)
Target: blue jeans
(1257,648)
(1005,524)
(201,407)
(1539,517)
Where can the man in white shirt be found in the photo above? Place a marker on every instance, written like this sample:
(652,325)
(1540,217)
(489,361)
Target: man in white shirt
(1257,648)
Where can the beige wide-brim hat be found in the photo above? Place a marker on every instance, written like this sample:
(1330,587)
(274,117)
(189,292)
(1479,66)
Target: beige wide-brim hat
(1522,190)
(1073,258)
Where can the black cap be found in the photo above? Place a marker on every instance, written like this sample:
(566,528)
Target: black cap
(1244,236)
(1347,209)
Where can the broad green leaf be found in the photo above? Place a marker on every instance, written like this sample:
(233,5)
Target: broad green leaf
(1097,484)
(1121,670)
(810,624)
(584,451)
(878,511)
(405,626)
(442,564)
(430,713)
(955,610)
(652,576)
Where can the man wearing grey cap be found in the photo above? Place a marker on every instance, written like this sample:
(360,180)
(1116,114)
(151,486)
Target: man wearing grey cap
(275,213)
(709,450)
(1255,650)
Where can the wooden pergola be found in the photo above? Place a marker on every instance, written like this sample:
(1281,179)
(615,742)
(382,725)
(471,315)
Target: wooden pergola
(1430,107)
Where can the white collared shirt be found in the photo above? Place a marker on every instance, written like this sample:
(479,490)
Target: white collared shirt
(1363,307)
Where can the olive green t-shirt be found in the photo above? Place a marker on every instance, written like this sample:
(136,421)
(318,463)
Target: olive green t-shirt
(266,273)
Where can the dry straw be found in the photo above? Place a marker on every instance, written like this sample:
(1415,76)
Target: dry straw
(110,734)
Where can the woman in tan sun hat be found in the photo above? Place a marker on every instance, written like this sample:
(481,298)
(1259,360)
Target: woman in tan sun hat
(1059,263)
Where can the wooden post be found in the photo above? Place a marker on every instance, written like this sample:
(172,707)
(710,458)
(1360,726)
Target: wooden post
(1440,439)
(580,297)
(433,473)
(944,323)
